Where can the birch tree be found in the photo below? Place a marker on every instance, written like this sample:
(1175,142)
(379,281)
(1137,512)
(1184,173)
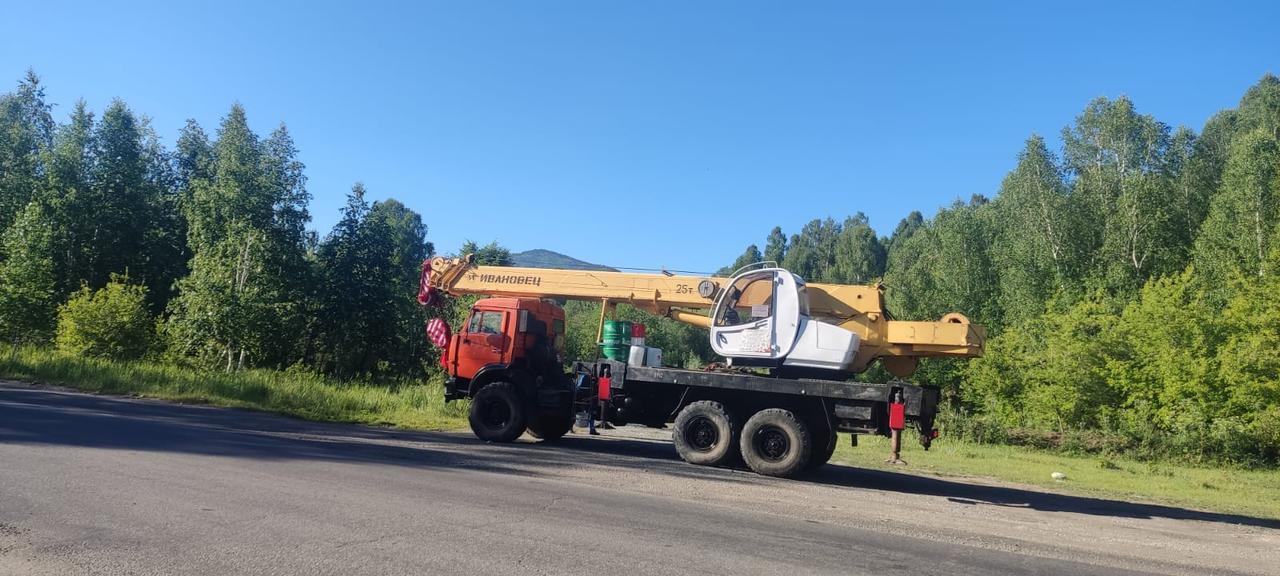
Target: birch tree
(1117,158)
(241,303)
(1038,244)
(1240,230)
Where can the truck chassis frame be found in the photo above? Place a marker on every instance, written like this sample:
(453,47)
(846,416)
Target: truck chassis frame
(776,426)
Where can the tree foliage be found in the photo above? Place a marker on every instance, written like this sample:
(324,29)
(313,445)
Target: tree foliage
(775,248)
(27,281)
(859,255)
(26,132)
(241,304)
(1240,231)
(491,254)
(368,266)
(1041,236)
(750,256)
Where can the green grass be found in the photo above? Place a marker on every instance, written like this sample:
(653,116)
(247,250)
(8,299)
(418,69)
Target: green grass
(1254,493)
(408,404)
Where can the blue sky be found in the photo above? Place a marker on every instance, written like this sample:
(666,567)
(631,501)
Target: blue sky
(645,134)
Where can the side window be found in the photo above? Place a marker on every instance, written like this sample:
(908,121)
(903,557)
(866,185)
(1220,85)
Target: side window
(557,331)
(749,299)
(761,303)
(473,326)
(491,323)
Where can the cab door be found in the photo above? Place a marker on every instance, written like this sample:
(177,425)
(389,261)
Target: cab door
(483,341)
(757,316)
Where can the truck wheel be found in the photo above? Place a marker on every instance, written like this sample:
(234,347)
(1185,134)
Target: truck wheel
(497,413)
(705,434)
(824,445)
(549,426)
(776,443)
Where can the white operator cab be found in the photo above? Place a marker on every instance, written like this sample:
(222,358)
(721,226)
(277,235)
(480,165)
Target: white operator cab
(764,314)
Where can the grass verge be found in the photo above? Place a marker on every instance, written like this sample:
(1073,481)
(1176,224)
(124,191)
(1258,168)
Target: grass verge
(408,404)
(1254,493)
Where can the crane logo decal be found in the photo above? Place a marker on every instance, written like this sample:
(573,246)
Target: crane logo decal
(508,279)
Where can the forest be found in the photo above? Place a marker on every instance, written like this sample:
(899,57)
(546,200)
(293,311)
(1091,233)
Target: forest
(1129,282)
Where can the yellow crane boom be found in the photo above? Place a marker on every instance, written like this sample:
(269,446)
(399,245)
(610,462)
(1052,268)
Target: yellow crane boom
(656,293)
(855,308)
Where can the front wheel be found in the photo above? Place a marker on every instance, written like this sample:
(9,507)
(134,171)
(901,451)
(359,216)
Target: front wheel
(497,413)
(776,443)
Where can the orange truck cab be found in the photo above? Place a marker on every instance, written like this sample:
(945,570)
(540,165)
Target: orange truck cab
(501,333)
(509,352)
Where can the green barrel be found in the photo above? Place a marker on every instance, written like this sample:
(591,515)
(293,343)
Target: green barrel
(617,332)
(617,340)
(617,352)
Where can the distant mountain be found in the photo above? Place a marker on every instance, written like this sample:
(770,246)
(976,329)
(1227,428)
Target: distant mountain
(539,258)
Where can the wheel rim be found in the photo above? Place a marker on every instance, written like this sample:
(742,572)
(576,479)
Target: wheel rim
(495,414)
(771,444)
(702,434)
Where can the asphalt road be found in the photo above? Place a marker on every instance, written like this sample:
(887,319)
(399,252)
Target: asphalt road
(104,485)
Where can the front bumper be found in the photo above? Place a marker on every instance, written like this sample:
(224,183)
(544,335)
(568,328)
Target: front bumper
(455,389)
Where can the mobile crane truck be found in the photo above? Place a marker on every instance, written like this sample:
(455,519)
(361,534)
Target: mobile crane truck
(790,348)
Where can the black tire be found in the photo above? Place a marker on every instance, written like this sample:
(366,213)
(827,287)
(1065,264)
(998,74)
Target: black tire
(705,433)
(549,426)
(497,413)
(775,442)
(824,445)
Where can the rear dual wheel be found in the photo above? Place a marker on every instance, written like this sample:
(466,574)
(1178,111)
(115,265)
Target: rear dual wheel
(774,442)
(824,445)
(551,425)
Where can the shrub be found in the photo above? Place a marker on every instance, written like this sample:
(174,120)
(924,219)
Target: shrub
(111,322)
(1265,434)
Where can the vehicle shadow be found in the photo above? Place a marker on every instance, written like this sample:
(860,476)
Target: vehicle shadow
(1009,497)
(956,491)
(36,416)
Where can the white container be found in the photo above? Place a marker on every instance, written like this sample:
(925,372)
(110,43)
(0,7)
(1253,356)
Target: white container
(637,355)
(653,357)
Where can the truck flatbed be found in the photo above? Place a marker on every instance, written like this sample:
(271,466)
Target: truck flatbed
(860,407)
